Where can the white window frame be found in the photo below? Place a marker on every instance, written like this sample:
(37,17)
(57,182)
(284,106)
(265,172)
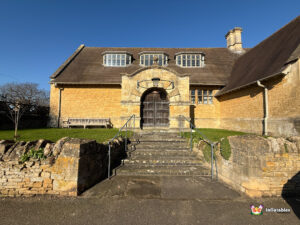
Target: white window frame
(164,59)
(193,96)
(118,57)
(206,99)
(190,56)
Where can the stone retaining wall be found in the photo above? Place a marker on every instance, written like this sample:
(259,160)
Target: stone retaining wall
(261,166)
(71,166)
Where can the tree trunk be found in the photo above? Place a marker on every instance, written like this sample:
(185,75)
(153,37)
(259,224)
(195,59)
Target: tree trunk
(16,124)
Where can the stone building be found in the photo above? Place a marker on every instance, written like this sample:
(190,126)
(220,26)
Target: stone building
(252,90)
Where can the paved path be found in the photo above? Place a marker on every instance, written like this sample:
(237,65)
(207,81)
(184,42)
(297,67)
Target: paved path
(147,200)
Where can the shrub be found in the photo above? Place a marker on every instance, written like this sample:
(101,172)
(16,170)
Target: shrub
(286,148)
(207,153)
(225,148)
(35,154)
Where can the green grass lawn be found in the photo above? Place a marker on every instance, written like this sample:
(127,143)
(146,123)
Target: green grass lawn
(54,134)
(212,134)
(99,134)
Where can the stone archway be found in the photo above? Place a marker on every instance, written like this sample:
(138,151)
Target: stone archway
(154,110)
(137,85)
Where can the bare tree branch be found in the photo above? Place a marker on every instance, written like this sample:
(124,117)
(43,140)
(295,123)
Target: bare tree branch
(22,97)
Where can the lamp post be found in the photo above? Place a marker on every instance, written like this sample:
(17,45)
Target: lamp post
(155,81)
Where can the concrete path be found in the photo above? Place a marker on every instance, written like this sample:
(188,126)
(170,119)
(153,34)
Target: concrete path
(148,200)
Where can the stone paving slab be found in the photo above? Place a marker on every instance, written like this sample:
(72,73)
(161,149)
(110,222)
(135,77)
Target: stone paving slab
(139,200)
(163,187)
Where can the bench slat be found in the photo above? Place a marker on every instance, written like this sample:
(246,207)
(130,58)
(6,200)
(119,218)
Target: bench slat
(87,122)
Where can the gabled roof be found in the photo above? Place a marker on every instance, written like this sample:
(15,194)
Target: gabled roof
(267,59)
(85,66)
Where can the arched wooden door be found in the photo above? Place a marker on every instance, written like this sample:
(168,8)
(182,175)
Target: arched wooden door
(155,109)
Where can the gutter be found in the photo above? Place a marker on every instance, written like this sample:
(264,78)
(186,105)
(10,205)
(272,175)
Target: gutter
(266,108)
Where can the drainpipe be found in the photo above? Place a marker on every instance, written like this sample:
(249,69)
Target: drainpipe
(266,107)
(59,106)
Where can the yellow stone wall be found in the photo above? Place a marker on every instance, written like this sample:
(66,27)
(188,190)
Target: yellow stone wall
(285,96)
(239,110)
(206,115)
(243,110)
(98,101)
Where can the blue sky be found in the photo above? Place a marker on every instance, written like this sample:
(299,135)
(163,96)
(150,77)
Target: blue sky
(37,36)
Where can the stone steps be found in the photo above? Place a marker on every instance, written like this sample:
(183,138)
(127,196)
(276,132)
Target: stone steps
(162,162)
(160,148)
(162,141)
(157,133)
(165,153)
(161,154)
(166,143)
(154,156)
(167,170)
(159,138)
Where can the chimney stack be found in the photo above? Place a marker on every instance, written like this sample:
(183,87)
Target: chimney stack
(234,40)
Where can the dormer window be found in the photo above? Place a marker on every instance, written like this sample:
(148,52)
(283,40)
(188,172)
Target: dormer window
(190,59)
(116,59)
(148,59)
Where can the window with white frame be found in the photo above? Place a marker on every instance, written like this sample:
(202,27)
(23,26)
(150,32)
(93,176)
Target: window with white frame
(201,96)
(190,59)
(147,59)
(116,59)
(193,96)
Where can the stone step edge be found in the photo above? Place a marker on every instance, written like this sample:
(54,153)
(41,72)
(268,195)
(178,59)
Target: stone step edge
(166,157)
(160,153)
(157,167)
(161,170)
(162,174)
(165,175)
(157,153)
(171,162)
(158,143)
(161,146)
(164,148)
(141,157)
(161,139)
(153,165)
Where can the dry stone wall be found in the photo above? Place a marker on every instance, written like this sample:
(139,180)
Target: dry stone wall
(261,166)
(70,166)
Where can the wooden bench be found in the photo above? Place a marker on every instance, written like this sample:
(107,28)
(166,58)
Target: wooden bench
(72,122)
